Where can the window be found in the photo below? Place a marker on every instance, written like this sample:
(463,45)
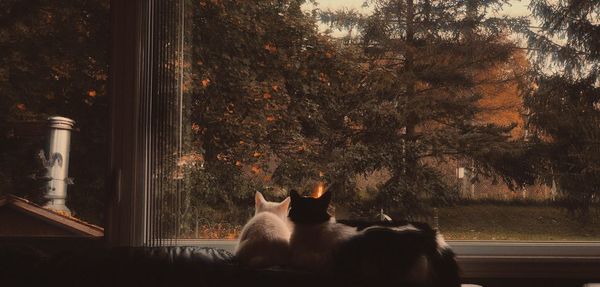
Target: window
(418,115)
(485,127)
(55,63)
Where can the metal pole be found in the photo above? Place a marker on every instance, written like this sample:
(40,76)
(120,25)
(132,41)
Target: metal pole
(57,155)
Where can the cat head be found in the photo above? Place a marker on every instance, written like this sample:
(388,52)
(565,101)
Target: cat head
(278,208)
(308,210)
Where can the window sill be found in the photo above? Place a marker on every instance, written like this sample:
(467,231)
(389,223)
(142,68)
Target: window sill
(502,259)
(528,259)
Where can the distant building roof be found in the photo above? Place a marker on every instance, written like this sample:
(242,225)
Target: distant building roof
(22,218)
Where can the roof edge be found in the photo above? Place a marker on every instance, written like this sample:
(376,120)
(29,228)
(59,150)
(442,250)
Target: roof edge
(71,223)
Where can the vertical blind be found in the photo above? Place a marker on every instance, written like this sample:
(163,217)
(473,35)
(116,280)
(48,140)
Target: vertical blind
(161,119)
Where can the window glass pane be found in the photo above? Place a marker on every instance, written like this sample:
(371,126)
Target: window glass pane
(416,110)
(459,114)
(55,63)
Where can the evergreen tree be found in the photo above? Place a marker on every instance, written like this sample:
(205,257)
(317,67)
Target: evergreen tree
(565,106)
(426,64)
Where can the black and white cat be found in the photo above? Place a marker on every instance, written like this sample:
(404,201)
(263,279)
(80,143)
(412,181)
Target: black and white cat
(410,254)
(264,240)
(315,234)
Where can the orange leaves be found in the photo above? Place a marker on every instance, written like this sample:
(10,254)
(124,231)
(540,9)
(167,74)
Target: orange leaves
(217,231)
(184,162)
(270,47)
(205,83)
(267,94)
(266,178)
(318,190)
(256,154)
(190,159)
(195,127)
(501,102)
(255,169)
(301,149)
(232,235)
(217,3)
(92,93)
(323,78)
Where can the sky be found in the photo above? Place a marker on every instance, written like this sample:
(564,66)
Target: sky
(516,7)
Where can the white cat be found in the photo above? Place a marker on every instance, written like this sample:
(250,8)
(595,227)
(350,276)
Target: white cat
(265,238)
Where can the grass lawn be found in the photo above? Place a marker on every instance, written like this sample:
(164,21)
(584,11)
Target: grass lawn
(504,222)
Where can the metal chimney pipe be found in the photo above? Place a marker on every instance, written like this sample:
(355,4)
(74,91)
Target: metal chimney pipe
(57,165)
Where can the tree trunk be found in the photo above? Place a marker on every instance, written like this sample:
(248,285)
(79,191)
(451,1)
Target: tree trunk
(409,158)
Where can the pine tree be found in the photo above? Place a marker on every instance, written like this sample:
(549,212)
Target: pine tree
(426,63)
(565,106)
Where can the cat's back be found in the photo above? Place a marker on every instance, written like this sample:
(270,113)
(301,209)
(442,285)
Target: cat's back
(267,226)
(312,246)
(325,235)
(264,241)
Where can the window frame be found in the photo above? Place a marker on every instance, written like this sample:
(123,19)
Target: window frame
(481,259)
(125,218)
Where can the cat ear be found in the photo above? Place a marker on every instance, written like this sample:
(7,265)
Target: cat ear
(285,204)
(259,199)
(325,199)
(294,194)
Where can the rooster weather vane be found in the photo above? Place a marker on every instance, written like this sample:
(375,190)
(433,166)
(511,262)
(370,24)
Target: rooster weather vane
(49,162)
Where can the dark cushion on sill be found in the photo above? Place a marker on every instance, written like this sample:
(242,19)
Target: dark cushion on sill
(147,267)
